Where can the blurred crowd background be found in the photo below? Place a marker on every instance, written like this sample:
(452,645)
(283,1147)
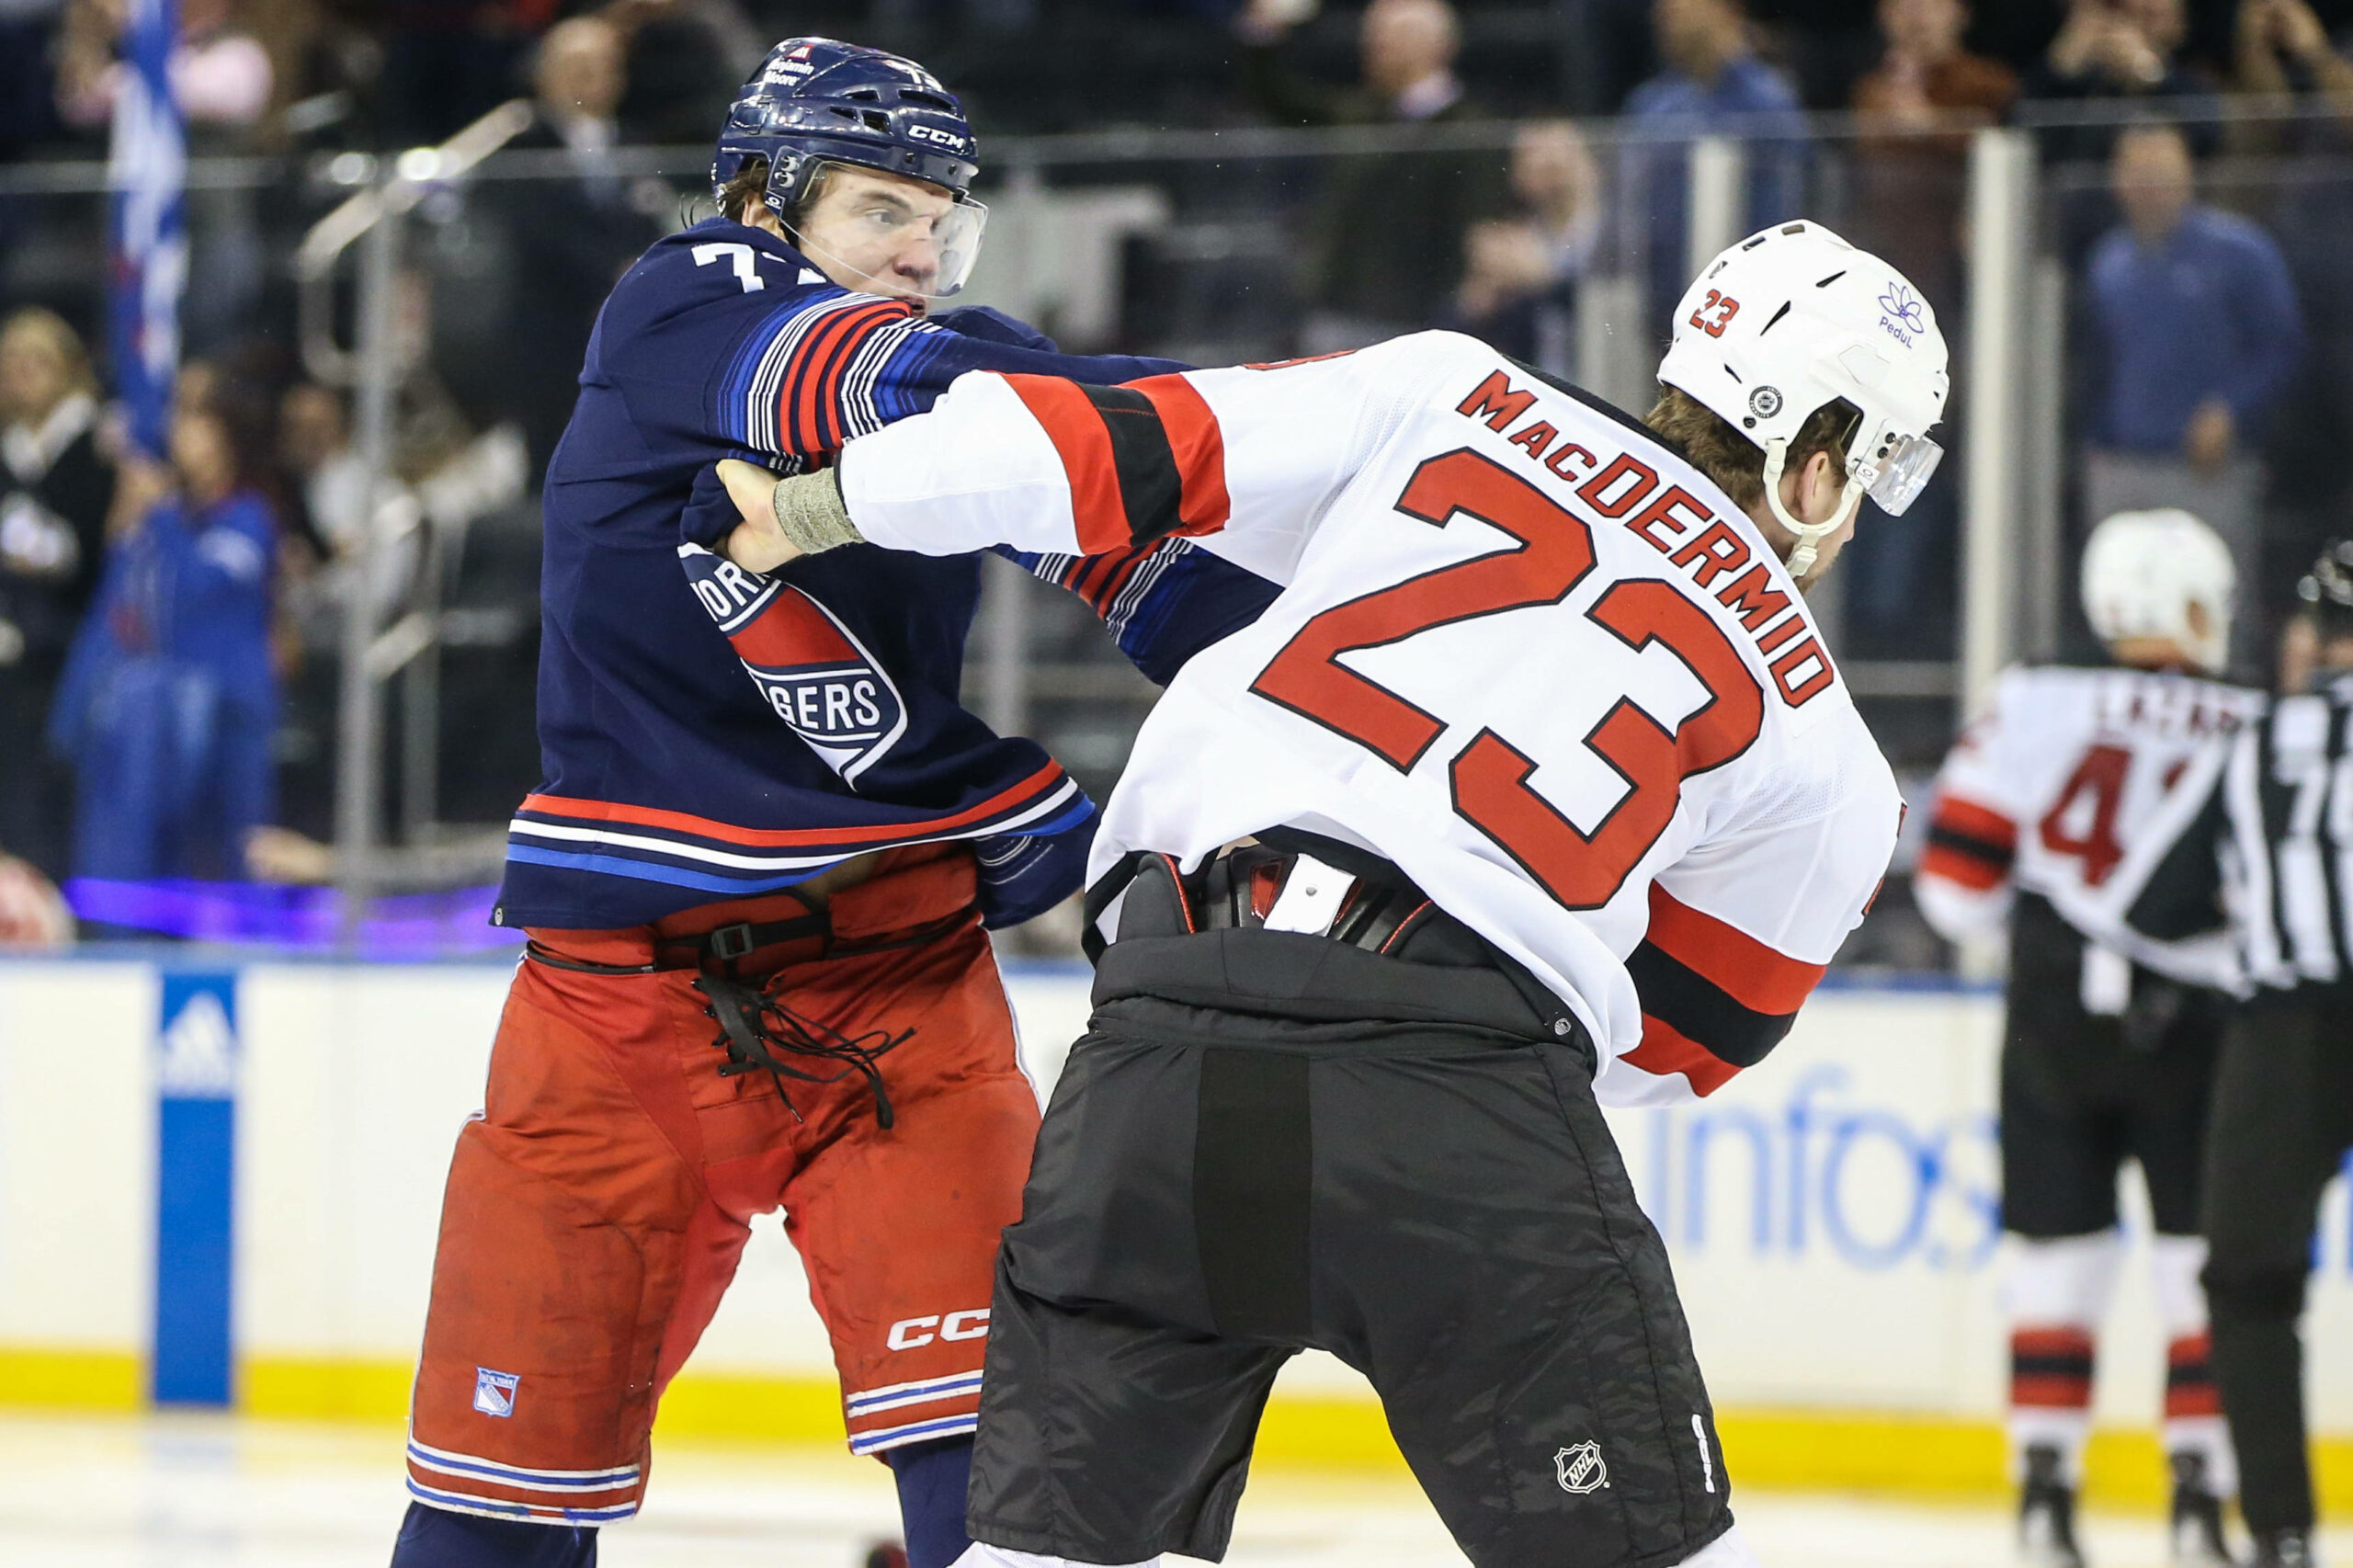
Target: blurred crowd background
(1213,180)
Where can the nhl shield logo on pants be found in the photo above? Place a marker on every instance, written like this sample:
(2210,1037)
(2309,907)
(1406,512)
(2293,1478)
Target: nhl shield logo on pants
(1579,1469)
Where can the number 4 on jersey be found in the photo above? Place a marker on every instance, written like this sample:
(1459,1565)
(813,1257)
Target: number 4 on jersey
(1490,776)
(2098,780)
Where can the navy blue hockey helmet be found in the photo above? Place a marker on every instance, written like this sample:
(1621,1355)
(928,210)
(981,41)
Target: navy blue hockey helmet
(817,101)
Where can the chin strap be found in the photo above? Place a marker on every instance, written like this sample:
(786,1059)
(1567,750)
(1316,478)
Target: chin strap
(1809,534)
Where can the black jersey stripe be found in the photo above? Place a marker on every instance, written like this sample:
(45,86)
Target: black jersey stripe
(1946,836)
(1701,1011)
(1151,489)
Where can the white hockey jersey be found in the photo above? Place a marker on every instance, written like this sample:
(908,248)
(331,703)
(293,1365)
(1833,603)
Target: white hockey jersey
(1523,651)
(2071,786)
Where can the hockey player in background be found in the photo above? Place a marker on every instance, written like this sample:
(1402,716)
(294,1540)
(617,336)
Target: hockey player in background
(2062,780)
(755,880)
(1534,787)
(2271,827)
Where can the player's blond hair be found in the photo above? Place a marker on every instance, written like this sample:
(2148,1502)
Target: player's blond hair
(1709,444)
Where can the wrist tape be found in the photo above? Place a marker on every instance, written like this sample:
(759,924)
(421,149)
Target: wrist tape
(810,511)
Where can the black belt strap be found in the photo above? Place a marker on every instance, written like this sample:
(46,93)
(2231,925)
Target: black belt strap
(1387,909)
(728,943)
(1099,899)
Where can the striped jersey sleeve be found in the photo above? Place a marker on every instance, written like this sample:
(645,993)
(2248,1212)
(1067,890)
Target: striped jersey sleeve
(1963,886)
(1715,1000)
(819,370)
(1246,460)
(1162,602)
(1744,927)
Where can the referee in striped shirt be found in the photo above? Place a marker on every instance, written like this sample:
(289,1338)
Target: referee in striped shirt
(2268,848)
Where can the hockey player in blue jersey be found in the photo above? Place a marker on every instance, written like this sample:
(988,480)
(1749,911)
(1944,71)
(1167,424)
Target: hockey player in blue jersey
(756,877)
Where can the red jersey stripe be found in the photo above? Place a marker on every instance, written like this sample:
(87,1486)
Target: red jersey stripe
(1077,432)
(1045,780)
(1664,1050)
(1199,447)
(1121,570)
(1082,579)
(1972,871)
(865,325)
(799,411)
(1973,821)
(1736,964)
(816,414)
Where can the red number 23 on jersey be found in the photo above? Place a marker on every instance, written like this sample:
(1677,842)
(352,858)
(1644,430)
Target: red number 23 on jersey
(1490,776)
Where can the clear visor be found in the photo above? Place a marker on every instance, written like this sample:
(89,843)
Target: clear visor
(883,239)
(956,239)
(1896,480)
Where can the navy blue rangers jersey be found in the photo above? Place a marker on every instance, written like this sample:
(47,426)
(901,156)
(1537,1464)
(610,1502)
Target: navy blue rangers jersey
(706,733)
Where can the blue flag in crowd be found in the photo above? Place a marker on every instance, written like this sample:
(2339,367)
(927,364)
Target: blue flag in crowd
(147,172)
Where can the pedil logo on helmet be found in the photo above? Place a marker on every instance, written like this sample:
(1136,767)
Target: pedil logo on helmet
(1904,315)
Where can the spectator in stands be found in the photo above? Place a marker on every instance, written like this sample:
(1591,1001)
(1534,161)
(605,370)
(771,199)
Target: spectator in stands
(1713,85)
(314,444)
(221,74)
(2119,52)
(1914,112)
(170,698)
(2198,328)
(1386,249)
(2284,48)
(56,488)
(1520,273)
(572,238)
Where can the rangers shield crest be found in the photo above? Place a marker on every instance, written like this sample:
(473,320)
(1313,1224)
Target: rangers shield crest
(811,669)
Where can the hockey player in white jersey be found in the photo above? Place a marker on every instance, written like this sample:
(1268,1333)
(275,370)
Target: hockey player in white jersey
(1535,785)
(2053,798)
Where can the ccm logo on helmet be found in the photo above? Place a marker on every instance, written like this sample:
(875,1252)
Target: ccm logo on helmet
(912,1334)
(947,138)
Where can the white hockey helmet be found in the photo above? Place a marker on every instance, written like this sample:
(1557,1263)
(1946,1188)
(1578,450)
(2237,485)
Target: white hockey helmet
(2142,571)
(1793,318)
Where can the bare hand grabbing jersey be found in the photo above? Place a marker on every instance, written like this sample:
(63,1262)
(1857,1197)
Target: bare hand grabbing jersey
(1522,650)
(2072,787)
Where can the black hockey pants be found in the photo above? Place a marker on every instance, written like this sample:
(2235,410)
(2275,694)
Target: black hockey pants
(1270,1141)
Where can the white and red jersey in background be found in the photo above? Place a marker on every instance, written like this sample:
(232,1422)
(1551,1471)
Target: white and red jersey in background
(1523,651)
(2068,787)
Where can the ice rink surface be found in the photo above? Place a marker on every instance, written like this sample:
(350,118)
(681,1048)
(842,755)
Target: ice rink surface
(201,1492)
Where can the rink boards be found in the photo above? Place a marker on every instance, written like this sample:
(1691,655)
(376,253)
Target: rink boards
(285,1127)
